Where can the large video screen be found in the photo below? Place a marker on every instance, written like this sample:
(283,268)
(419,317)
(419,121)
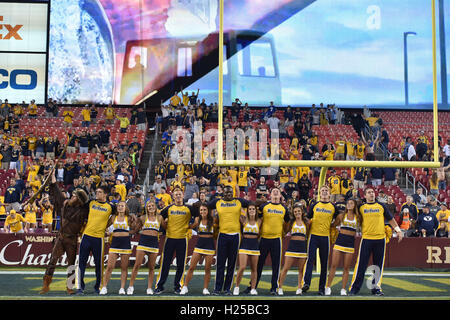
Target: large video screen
(23,51)
(291,52)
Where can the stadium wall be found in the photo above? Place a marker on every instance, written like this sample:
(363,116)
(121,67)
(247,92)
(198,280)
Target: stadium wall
(34,250)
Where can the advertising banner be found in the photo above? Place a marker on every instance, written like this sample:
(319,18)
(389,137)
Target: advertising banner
(23,77)
(23,51)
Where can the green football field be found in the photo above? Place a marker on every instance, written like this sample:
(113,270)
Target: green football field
(24,283)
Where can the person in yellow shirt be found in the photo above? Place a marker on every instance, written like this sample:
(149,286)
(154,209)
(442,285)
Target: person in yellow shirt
(121,189)
(18,110)
(360,150)
(314,140)
(340,148)
(350,145)
(101,215)
(47,213)
(301,171)
(443,215)
(233,173)
(32,109)
(293,153)
(180,170)
(328,154)
(284,176)
(372,120)
(334,182)
(164,197)
(30,216)
(185,96)
(175,100)
(68,116)
(86,113)
(230,182)
(14,222)
(124,123)
(109,114)
(243,178)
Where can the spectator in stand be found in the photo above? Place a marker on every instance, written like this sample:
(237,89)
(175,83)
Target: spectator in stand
(14,222)
(432,204)
(443,215)
(32,109)
(13,194)
(419,199)
(340,148)
(86,114)
(262,191)
(395,155)
(421,150)
(124,123)
(427,223)
(442,231)
(68,116)
(390,176)
(141,119)
(50,148)
(109,114)
(360,178)
(334,182)
(376,176)
(384,138)
(104,136)
(94,113)
(434,183)
(175,100)
(390,205)
(360,149)
(158,184)
(83,142)
(304,187)
(411,206)
(357,122)
(382,197)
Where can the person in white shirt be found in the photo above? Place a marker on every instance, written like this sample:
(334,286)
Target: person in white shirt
(446,148)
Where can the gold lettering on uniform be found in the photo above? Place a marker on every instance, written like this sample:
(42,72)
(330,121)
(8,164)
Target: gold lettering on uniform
(433,254)
(447,254)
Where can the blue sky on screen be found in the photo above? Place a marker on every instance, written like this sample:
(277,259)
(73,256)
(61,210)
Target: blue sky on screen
(351,52)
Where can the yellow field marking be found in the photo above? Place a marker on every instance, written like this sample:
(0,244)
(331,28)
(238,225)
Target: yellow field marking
(409,285)
(439,280)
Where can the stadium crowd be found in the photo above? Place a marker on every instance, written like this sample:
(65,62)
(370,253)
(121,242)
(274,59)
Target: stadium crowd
(88,146)
(92,158)
(89,165)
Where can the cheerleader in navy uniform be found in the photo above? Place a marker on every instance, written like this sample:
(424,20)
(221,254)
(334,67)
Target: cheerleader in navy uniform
(296,250)
(149,224)
(123,224)
(249,248)
(344,245)
(205,248)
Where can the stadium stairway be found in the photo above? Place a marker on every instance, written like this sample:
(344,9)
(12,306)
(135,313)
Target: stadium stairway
(152,145)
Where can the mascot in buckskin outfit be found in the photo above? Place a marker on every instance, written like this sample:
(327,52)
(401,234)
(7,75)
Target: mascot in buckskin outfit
(73,213)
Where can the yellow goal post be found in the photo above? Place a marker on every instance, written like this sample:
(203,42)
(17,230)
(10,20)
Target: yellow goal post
(325,164)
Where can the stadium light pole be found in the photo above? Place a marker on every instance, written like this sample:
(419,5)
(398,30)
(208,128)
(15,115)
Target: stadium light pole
(405,61)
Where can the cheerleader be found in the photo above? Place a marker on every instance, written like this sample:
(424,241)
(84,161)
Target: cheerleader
(249,248)
(344,246)
(123,224)
(205,248)
(150,224)
(296,250)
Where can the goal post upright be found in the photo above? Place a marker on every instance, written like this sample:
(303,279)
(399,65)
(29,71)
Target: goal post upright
(326,163)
